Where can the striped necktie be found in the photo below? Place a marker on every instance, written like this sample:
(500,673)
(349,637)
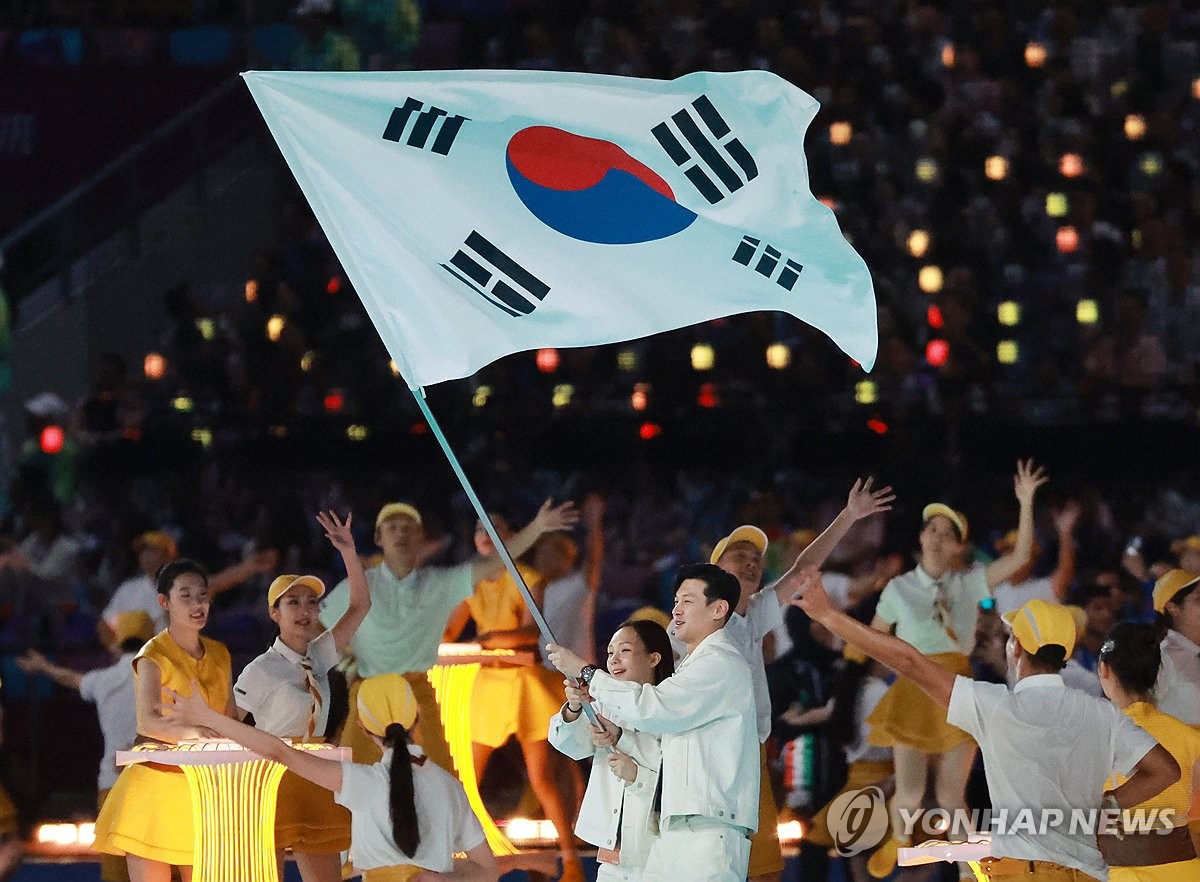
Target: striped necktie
(314,713)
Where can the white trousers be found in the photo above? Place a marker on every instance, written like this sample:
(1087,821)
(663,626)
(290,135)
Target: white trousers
(698,850)
(617,873)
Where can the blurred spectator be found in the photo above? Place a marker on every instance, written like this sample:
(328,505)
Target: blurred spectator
(385,31)
(324,47)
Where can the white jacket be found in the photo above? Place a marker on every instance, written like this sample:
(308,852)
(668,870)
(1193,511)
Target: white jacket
(705,714)
(611,801)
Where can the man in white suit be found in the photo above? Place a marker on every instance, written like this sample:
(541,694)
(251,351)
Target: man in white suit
(705,714)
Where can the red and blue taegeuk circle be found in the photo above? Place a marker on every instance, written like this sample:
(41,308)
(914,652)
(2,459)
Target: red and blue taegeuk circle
(590,189)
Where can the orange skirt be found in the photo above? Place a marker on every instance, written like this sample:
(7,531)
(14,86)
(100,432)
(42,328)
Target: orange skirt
(398,873)
(148,813)
(861,774)
(907,717)
(307,819)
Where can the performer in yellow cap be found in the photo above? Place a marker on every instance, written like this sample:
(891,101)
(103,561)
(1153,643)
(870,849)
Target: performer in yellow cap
(153,548)
(934,608)
(410,603)
(286,692)
(148,815)
(111,689)
(1045,746)
(11,852)
(1129,662)
(1177,602)
(407,814)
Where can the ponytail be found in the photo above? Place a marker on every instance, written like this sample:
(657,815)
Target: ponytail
(401,798)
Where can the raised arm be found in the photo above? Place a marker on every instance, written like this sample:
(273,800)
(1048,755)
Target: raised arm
(1065,521)
(593,558)
(901,657)
(34,662)
(549,518)
(861,503)
(1025,485)
(255,565)
(339,535)
(194,711)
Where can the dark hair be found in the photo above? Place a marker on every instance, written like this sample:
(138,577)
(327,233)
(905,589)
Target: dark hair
(1085,594)
(171,571)
(132,644)
(401,797)
(655,638)
(1051,658)
(1165,618)
(1132,653)
(718,584)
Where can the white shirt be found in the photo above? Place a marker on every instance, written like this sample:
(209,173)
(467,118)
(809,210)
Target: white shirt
(908,603)
(133,594)
(1046,747)
(570,610)
(1178,687)
(274,688)
(613,807)
(402,631)
(1078,677)
(1010,597)
(445,820)
(111,690)
(872,692)
(763,615)
(705,714)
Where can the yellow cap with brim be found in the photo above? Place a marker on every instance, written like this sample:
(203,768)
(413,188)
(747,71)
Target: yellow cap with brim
(280,586)
(157,539)
(383,700)
(1171,584)
(1041,623)
(1187,543)
(133,623)
(396,509)
(955,517)
(744,533)
(1009,541)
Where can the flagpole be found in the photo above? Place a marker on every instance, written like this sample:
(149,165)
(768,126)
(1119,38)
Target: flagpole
(501,549)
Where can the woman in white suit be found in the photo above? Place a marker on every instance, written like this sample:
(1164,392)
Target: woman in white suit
(618,807)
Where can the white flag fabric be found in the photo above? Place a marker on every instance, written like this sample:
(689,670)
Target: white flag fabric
(481,213)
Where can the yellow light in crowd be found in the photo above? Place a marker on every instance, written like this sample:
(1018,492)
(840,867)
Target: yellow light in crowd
(865,392)
(1118,88)
(393,367)
(627,359)
(1056,204)
(1070,165)
(1135,126)
(996,168)
(481,396)
(203,436)
(357,432)
(1007,352)
(1008,313)
(918,243)
(251,290)
(790,832)
(1035,54)
(1067,239)
(929,279)
(1151,164)
(1196,88)
(183,404)
(703,357)
(840,133)
(640,397)
(154,366)
(562,395)
(307,360)
(1135,239)
(779,356)
(948,57)
(1087,312)
(927,170)
(275,325)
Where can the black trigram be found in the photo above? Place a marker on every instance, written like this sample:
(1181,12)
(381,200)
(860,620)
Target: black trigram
(702,152)
(425,119)
(768,261)
(496,277)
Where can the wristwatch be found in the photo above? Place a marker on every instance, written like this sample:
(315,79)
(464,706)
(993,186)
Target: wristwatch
(586,673)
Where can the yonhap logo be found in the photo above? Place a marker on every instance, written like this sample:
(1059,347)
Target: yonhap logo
(858,820)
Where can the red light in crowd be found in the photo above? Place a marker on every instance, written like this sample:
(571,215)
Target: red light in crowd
(936,352)
(334,284)
(418,429)
(51,439)
(131,433)
(933,315)
(547,360)
(878,426)
(707,396)
(649,430)
(335,401)
(1067,239)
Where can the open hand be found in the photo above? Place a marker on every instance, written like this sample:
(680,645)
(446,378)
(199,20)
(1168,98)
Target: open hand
(551,517)
(864,502)
(1027,480)
(337,531)
(566,661)
(32,662)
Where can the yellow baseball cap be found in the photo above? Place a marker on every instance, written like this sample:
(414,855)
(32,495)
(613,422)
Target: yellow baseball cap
(395,509)
(1041,623)
(157,539)
(281,584)
(1171,584)
(1009,541)
(1187,543)
(955,517)
(744,533)
(383,700)
(133,623)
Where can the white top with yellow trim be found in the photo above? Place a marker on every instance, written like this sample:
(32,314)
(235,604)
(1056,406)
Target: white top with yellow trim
(274,689)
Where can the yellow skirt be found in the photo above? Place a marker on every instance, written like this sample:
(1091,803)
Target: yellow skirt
(8,815)
(1176,872)
(860,774)
(307,819)
(907,717)
(400,873)
(148,813)
(113,868)
(514,701)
